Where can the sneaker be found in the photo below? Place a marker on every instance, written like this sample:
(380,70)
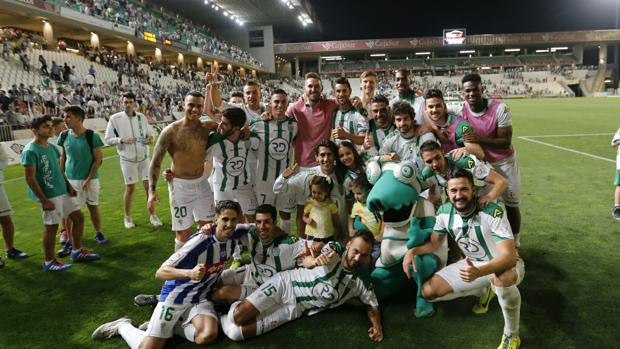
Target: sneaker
(128,223)
(109,329)
(236,263)
(56,266)
(100,239)
(144,326)
(64,237)
(483,302)
(617,212)
(16,254)
(84,255)
(155,221)
(145,299)
(510,342)
(65,250)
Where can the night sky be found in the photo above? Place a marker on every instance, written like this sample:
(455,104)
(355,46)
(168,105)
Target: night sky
(365,19)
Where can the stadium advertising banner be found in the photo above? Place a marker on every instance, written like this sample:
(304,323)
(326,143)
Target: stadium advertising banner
(574,37)
(454,37)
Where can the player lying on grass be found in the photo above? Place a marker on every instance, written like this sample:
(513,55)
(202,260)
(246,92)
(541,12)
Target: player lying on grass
(190,273)
(485,238)
(291,294)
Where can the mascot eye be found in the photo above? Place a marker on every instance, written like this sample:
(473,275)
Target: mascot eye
(405,173)
(373,171)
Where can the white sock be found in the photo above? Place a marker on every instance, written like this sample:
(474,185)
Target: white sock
(231,330)
(187,331)
(286,225)
(510,300)
(131,335)
(477,292)
(178,244)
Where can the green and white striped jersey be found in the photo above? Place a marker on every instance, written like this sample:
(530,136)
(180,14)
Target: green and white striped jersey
(479,169)
(329,286)
(408,149)
(268,259)
(378,135)
(351,120)
(275,149)
(230,161)
(477,233)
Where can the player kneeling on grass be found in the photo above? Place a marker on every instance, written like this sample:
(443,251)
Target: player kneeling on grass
(190,273)
(486,240)
(291,294)
(48,184)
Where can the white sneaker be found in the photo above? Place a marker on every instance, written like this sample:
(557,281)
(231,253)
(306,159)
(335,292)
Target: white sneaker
(128,223)
(155,221)
(109,329)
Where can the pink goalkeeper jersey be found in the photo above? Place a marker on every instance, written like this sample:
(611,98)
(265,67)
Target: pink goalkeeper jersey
(486,126)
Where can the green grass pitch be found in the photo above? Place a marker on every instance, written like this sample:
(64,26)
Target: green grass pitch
(570,244)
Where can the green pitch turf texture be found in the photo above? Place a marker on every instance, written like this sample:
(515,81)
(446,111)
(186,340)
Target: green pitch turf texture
(570,244)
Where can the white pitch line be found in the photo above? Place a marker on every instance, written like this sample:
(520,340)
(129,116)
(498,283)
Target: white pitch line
(22,178)
(567,149)
(571,135)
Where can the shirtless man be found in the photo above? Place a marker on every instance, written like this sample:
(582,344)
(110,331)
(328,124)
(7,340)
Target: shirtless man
(190,194)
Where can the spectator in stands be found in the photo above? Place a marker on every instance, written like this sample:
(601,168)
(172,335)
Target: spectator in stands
(24,59)
(66,71)
(6,50)
(10,116)
(91,71)
(55,71)
(8,229)
(4,101)
(90,80)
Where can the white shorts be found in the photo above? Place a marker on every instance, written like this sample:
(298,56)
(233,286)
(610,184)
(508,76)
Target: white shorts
(244,196)
(5,205)
(241,277)
(282,202)
(509,169)
(190,198)
(133,172)
(166,316)
(451,275)
(276,303)
(65,205)
(91,196)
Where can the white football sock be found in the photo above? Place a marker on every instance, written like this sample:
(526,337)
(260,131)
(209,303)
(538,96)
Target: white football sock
(132,336)
(286,225)
(187,331)
(178,244)
(510,300)
(231,330)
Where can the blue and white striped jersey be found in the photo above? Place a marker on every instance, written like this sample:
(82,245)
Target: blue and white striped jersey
(199,249)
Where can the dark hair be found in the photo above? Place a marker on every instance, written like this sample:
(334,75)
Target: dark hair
(358,162)
(342,81)
(313,75)
(403,107)
(433,93)
(380,99)
(361,182)
(227,205)
(75,111)
(340,168)
(429,146)
(251,83)
(267,209)
(278,91)
(473,77)
(326,184)
(37,122)
(195,94)
(129,95)
(403,71)
(236,116)
(364,235)
(236,94)
(57,120)
(458,172)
